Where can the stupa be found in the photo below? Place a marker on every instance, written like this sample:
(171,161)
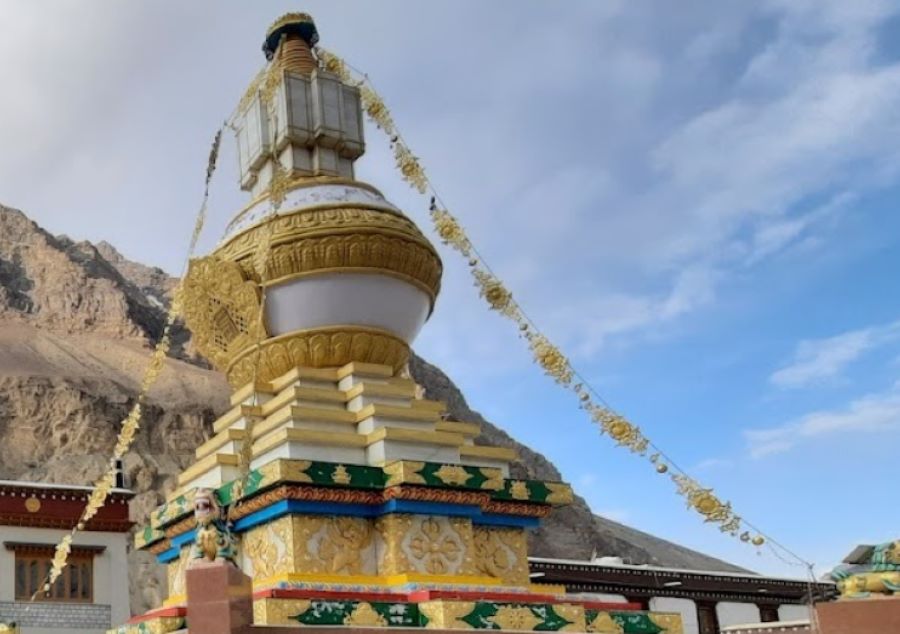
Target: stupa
(363,505)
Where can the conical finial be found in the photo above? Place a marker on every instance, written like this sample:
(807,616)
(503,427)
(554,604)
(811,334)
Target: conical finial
(289,43)
(290,25)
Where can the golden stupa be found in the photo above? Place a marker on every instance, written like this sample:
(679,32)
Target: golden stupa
(353,499)
(347,276)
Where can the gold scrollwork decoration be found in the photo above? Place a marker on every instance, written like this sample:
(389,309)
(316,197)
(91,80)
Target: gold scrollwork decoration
(501,553)
(342,545)
(221,308)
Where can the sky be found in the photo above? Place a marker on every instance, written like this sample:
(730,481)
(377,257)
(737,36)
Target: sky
(696,202)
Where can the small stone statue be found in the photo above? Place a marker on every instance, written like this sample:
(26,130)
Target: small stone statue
(213,539)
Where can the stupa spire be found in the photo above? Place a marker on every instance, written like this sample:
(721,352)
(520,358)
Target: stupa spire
(296,120)
(290,40)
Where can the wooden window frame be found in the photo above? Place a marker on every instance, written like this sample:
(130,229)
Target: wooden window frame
(711,607)
(32,563)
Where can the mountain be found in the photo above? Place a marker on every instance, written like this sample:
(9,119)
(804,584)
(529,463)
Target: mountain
(77,323)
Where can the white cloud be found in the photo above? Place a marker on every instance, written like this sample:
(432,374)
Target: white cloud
(712,463)
(615,178)
(869,414)
(821,359)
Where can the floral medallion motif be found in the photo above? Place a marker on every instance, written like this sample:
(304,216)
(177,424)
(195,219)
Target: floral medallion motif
(515,618)
(436,547)
(452,474)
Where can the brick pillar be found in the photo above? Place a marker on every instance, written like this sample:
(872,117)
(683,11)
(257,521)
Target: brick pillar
(860,616)
(219,598)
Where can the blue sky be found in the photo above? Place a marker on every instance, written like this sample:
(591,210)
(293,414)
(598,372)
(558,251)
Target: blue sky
(696,202)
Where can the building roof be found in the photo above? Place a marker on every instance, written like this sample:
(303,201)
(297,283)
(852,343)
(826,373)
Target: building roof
(638,547)
(684,571)
(42,505)
(16,484)
(645,581)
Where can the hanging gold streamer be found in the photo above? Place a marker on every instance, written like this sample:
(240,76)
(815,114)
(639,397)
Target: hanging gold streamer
(547,355)
(279,186)
(131,424)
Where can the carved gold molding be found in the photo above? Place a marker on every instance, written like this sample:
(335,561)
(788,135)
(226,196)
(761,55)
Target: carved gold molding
(333,346)
(342,238)
(334,545)
(269,548)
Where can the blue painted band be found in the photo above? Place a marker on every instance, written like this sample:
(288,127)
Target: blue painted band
(304,507)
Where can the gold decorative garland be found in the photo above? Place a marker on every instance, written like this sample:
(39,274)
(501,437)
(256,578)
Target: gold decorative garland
(131,423)
(547,355)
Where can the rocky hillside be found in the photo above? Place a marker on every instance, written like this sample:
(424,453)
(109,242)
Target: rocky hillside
(76,324)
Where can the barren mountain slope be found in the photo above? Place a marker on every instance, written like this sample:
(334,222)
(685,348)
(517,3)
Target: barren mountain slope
(76,325)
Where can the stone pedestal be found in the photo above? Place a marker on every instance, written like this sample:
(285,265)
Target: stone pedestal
(859,616)
(220,598)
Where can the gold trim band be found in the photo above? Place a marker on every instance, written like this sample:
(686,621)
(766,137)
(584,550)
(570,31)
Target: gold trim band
(331,346)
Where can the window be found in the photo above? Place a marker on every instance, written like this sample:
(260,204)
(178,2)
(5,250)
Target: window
(768,613)
(706,618)
(32,570)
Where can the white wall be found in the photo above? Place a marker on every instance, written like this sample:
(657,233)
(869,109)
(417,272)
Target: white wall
(685,607)
(110,567)
(790,612)
(730,613)
(604,598)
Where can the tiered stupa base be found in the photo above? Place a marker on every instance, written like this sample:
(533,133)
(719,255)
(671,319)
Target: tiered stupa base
(365,506)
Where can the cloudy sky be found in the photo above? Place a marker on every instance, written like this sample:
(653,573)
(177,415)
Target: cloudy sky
(696,202)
